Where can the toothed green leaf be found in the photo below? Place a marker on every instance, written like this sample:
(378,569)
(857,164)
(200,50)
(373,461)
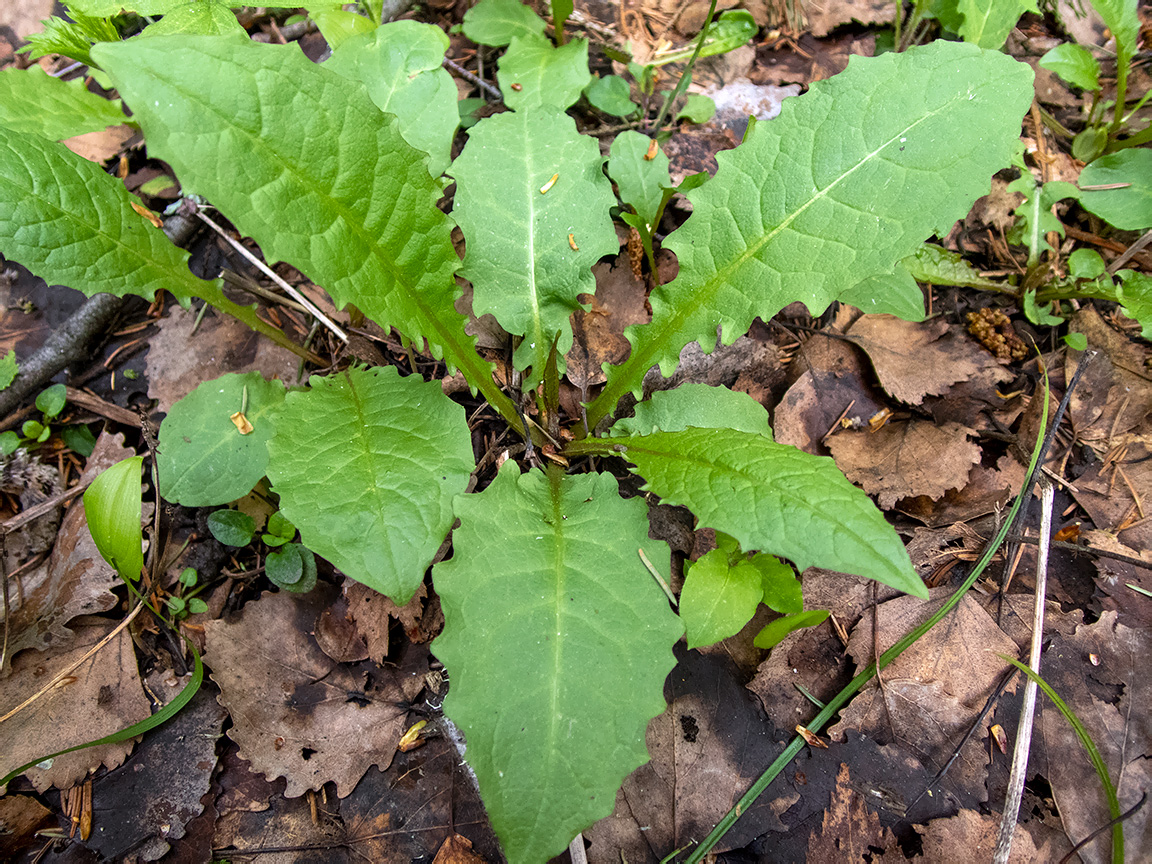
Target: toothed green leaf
(987,23)
(641,181)
(314,172)
(71,223)
(366,464)
(850,178)
(532,239)
(698,405)
(400,64)
(559,642)
(32,101)
(498,22)
(533,73)
(773,498)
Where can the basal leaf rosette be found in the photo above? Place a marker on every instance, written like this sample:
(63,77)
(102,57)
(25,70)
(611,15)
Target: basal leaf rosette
(533,203)
(558,641)
(366,464)
(771,497)
(850,178)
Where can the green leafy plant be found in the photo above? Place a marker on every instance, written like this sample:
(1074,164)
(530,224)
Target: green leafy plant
(50,403)
(1076,65)
(551,615)
(185,602)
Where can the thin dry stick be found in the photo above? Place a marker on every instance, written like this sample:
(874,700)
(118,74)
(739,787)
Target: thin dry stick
(1028,709)
(267,271)
(66,672)
(1131,252)
(576,850)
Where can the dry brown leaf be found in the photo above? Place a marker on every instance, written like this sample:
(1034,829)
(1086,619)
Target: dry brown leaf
(1111,699)
(917,360)
(25,16)
(906,459)
(337,634)
(707,748)
(598,333)
(1114,395)
(985,490)
(21,816)
(103,697)
(178,360)
(935,688)
(976,834)
(102,145)
(1117,496)
(74,581)
(825,17)
(850,831)
(834,388)
(457,850)
(296,712)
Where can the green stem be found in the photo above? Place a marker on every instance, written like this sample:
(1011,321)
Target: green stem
(682,84)
(1093,755)
(841,698)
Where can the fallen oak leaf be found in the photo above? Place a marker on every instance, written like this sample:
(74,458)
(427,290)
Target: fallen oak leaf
(906,459)
(914,360)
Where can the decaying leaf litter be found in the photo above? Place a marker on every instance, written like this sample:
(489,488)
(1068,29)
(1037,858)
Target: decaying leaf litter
(923,416)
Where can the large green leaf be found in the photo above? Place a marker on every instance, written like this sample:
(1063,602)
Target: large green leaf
(532,239)
(849,179)
(770,497)
(987,23)
(1128,207)
(33,101)
(72,224)
(558,641)
(699,405)
(366,464)
(400,64)
(1075,64)
(533,72)
(498,22)
(205,458)
(112,508)
(200,17)
(313,171)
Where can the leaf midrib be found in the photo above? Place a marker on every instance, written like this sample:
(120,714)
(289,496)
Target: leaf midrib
(356,225)
(743,474)
(705,294)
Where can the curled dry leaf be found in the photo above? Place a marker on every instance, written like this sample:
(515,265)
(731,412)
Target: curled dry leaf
(917,360)
(297,713)
(906,459)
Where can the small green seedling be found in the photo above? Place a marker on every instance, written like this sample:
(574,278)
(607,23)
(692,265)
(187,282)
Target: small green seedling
(50,402)
(293,568)
(185,602)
